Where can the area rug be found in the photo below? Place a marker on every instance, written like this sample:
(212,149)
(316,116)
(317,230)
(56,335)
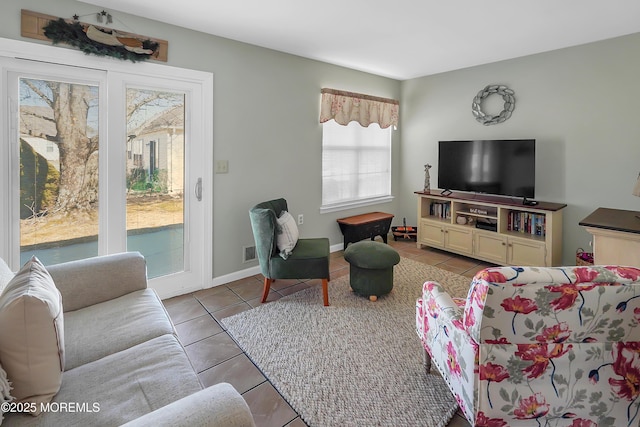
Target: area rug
(356,362)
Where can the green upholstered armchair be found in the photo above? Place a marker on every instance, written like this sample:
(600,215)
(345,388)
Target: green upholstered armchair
(309,259)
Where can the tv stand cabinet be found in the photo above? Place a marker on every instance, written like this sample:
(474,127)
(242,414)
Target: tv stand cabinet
(616,236)
(500,230)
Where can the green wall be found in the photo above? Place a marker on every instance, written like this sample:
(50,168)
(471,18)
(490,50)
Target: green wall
(266,110)
(580,104)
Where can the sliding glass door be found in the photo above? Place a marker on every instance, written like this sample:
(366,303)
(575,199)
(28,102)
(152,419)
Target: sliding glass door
(102,162)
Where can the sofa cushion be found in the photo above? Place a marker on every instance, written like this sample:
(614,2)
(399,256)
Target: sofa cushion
(5,274)
(219,405)
(93,280)
(122,386)
(32,339)
(99,330)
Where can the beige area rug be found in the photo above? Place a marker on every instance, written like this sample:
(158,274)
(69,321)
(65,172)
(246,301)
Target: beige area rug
(356,362)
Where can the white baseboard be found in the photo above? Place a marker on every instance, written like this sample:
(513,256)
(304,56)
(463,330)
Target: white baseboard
(227,278)
(165,292)
(252,271)
(236,275)
(336,248)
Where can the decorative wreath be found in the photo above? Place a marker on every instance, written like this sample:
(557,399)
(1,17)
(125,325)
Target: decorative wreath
(509,104)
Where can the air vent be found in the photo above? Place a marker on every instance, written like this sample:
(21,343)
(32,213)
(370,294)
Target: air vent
(248,253)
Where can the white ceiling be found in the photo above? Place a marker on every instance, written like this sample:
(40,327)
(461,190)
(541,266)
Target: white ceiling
(401,39)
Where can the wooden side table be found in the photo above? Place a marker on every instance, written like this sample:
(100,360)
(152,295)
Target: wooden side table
(616,236)
(369,225)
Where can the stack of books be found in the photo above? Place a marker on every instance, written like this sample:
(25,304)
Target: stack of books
(527,223)
(440,210)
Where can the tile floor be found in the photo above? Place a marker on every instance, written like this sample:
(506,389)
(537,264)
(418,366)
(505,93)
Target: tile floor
(216,356)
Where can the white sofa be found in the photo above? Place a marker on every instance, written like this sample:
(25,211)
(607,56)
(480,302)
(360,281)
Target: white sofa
(122,353)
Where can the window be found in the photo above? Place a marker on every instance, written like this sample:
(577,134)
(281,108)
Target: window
(356,165)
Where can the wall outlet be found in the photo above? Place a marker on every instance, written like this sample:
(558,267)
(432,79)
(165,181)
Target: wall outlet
(300,219)
(222,166)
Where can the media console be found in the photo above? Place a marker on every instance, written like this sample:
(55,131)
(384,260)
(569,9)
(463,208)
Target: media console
(491,228)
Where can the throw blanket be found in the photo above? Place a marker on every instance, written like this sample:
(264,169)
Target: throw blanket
(5,388)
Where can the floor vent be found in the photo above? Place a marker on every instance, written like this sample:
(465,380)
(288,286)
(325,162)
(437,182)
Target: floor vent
(248,253)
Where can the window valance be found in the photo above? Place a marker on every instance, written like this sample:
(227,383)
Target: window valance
(345,107)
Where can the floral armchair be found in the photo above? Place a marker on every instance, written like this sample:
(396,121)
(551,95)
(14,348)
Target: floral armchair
(557,346)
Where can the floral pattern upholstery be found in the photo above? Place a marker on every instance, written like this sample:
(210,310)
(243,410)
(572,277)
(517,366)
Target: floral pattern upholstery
(555,346)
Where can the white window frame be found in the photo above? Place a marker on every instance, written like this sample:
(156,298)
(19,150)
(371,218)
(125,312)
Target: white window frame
(354,145)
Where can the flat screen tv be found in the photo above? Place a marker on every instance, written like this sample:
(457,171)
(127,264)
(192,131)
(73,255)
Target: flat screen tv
(505,167)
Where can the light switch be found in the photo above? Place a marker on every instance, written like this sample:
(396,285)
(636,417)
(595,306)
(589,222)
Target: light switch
(222,166)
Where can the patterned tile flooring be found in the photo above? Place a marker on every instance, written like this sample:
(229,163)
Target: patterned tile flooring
(216,356)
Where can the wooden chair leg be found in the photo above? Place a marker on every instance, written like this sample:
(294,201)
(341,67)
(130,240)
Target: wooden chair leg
(267,286)
(325,291)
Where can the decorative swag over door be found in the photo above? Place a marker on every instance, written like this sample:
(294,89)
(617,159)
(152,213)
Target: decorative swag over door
(345,107)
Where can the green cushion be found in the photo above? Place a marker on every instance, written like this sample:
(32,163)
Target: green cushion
(370,254)
(309,260)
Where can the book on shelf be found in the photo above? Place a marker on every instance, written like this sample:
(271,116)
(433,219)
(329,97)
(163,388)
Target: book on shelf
(527,223)
(440,209)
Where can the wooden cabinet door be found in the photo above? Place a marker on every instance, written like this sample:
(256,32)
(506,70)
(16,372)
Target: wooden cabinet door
(431,233)
(526,252)
(459,239)
(491,247)
(612,247)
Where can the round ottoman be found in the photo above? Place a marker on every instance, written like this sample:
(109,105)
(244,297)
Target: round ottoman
(371,268)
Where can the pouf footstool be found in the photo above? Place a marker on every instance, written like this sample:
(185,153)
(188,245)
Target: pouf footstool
(371,268)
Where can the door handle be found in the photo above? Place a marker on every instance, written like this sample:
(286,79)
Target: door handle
(198,189)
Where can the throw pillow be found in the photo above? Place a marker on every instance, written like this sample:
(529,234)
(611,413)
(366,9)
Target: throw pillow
(32,336)
(5,274)
(287,235)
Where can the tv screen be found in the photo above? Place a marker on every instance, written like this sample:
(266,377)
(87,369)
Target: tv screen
(505,167)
